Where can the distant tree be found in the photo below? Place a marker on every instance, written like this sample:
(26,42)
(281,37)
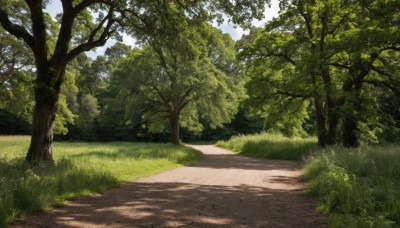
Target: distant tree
(117,52)
(168,89)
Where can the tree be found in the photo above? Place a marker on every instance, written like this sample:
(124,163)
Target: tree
(327,52)
(51,62)
(169,89)
(78,33)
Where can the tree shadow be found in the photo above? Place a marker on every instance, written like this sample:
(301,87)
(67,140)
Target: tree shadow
(233,161)
(180,204)
(284,150)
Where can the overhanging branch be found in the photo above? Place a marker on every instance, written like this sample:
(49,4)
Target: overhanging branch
(16,30)
(92,43)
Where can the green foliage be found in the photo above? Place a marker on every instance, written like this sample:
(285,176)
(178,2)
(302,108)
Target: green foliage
(80,170)
(337,55)
(88,111)
(10,124)
(359,187)
(270,146)
(161,85)
(16,82)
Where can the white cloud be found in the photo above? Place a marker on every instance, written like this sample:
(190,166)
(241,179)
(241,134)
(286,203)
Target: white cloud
(128,40)
(238,32)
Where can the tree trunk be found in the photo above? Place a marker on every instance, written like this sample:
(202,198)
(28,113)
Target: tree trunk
(46,97)
(320,118)
(42,133)
(333,122)
(174,121)
(350,132)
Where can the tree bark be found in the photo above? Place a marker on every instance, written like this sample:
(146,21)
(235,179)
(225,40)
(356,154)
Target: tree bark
(41,147)
(49,78)
(46,97)
(350,132)
(333,122)
(174,121)
(353,88)
(320,118)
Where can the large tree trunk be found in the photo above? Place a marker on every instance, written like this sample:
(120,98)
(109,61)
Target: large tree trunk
(42,132)
(46,97)
(352,89)
(174,122)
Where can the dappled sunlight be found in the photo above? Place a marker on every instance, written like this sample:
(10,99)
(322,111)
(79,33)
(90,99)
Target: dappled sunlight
(163,204)
(223,189)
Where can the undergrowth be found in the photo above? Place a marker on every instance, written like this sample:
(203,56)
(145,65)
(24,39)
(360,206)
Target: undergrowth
(358,187)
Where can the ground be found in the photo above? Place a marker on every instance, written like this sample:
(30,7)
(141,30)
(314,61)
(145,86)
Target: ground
(223,190)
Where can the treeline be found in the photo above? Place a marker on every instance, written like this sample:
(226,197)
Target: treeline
(326,68)
(101,99)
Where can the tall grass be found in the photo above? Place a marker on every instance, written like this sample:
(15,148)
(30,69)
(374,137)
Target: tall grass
(80,169)
(270,146)
(359,187)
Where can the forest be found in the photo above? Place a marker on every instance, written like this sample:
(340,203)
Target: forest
(319,83)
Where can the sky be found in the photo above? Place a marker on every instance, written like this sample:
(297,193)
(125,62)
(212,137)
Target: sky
(236,33)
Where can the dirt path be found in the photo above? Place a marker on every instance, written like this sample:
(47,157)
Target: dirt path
(223,190)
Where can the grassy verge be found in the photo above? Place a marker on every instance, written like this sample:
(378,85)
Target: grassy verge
(80,169)
(270,146)
(358,187)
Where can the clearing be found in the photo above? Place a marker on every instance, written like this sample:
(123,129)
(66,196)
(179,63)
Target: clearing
(223,189)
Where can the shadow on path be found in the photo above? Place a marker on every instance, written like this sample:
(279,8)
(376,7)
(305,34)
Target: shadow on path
(223,190)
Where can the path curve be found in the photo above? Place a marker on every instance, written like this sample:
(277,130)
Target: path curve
(223,190)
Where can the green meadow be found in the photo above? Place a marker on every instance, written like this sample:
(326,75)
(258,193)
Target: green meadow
(80,169)
(356,187)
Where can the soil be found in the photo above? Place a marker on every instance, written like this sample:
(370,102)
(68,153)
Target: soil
(223,190)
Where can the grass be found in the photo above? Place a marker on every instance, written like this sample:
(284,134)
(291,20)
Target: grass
(270,146)
(80,170)
(358,187)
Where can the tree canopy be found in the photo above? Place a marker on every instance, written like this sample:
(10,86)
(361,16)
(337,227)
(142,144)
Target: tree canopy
(168,87)
(323,67)
(87,24)
(338,55)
